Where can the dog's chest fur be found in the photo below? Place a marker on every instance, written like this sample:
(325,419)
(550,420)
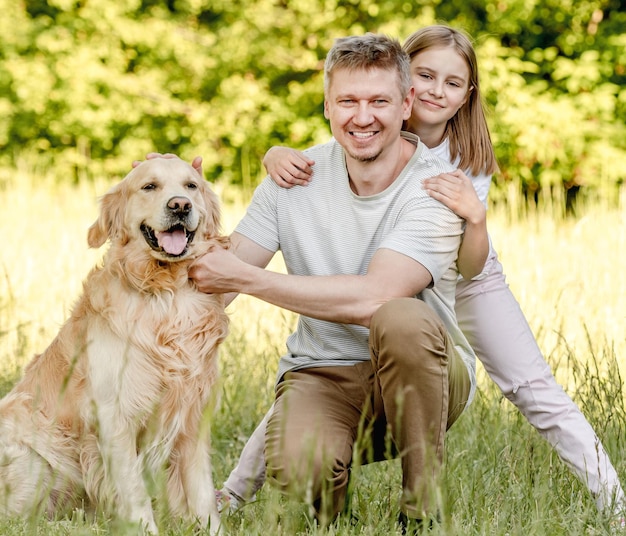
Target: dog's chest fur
(164,364)
(123,395)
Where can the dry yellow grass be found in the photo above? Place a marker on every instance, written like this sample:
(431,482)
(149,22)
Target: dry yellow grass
(567,275)
(569,279)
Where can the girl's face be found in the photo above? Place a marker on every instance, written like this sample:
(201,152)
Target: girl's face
(441,80)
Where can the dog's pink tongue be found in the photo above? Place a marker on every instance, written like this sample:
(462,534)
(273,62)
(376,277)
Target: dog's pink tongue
(173,242)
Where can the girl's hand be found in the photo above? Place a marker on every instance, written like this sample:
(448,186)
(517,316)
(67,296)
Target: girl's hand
(196,163)
(456,191)
(288,167)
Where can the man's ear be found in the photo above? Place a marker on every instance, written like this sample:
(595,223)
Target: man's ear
(408,104)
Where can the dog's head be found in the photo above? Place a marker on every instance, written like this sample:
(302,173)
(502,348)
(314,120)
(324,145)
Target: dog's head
(164,204)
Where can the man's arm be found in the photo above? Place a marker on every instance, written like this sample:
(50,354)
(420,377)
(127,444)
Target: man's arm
(245,250)
(349,299)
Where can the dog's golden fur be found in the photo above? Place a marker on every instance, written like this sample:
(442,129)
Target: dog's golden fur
(127,386)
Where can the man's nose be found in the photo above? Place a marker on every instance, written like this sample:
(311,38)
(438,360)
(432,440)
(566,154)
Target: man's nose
(363,114)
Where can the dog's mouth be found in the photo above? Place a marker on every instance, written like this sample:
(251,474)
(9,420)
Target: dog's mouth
(174,242)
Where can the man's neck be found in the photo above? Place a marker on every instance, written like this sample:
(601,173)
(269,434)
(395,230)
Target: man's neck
(372,177)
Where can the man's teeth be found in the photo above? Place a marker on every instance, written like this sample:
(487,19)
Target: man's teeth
(362,134)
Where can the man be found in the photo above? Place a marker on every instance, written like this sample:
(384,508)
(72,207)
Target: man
(360,243)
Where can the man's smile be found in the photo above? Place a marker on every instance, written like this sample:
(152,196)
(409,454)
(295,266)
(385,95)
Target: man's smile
(363,135)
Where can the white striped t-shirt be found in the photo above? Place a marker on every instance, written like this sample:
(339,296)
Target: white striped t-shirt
(326,229)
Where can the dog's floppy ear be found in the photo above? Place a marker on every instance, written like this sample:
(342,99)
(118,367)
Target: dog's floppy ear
(212,219)
(110,222)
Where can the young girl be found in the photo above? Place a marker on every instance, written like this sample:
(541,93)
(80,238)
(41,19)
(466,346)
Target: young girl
(448,117)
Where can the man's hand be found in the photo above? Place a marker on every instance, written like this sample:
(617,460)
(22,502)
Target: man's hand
(219,271)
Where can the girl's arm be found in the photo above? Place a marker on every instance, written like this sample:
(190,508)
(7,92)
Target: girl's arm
(455,190)
(288,167)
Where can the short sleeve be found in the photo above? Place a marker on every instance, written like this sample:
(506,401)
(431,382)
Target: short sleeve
(260,222)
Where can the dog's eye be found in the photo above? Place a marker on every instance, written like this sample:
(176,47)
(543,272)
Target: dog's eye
(192,185)
(149,186)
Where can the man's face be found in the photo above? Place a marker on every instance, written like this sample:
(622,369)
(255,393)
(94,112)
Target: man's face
(366,109)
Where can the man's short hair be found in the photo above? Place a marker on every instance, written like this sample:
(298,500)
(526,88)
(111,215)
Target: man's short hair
(369,51)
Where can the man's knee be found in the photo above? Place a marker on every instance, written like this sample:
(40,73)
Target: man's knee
(404,325)
(405,314)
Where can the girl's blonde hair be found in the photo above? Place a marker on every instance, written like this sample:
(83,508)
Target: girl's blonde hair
(467,131)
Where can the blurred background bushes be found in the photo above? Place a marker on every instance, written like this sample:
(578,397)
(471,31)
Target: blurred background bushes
(87,86)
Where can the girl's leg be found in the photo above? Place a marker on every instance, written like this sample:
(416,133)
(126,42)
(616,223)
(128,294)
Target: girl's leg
(497,330)
(249,475)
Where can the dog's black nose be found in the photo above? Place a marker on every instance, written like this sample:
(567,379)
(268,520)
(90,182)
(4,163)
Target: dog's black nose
(179,205)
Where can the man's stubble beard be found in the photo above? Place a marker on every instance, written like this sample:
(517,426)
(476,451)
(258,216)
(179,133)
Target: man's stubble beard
(360,158)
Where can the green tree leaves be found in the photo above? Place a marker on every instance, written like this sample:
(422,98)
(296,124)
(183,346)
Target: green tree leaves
(88,86)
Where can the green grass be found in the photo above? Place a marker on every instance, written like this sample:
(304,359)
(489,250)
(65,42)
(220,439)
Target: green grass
(501,478)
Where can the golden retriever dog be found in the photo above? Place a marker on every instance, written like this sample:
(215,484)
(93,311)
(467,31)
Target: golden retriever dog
(116,412)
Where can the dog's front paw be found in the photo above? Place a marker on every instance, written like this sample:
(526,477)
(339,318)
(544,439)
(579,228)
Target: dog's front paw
(149,528)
